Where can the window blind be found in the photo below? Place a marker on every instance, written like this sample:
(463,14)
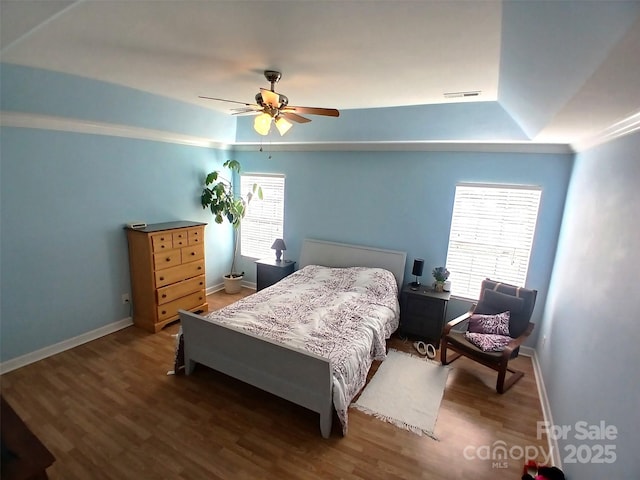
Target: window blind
(264,220)
(492,230)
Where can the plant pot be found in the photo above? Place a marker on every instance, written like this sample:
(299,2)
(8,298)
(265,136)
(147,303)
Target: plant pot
(439,287)
(233,284)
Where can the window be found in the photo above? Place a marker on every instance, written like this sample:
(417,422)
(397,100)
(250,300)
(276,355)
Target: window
(492,230)
(264,220)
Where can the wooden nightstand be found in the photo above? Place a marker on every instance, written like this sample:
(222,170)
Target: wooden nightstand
(271,271)
(422,313)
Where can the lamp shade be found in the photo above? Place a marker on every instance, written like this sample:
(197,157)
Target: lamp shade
(262,123)
(282,125)
(278,246)
(418,266)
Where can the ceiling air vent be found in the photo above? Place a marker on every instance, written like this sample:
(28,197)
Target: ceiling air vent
(472,93)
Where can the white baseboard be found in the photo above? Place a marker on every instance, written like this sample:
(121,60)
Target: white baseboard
(220,286)
(546,407)
(214,288)
(43,353)
(527,351)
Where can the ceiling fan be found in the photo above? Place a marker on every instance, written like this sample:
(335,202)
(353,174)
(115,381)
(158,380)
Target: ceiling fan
(274,107)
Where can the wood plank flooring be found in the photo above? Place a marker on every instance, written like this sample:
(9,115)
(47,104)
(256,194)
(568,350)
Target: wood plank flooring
(108,410)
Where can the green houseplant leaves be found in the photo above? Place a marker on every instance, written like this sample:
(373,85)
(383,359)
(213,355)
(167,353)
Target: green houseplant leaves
(218,195)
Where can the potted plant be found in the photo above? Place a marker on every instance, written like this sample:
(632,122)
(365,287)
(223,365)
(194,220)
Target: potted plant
(440,274)
(218,195)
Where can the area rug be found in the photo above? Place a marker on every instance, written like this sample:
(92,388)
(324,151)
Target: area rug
(405,391)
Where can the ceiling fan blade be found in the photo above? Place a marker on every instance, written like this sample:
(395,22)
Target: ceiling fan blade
(255,108)
(327,112)
(270,98)
(294,117)
(230,101)
(248,111)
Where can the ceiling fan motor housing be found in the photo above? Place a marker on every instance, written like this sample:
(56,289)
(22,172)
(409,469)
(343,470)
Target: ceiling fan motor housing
(282,101)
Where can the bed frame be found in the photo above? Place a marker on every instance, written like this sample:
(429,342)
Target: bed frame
(293,374)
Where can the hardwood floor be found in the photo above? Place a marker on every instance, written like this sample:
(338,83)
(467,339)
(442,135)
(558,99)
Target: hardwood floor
(108,410)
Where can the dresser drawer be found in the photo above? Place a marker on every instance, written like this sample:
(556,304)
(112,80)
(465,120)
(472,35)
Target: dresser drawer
(160,243)
(195,236)
(423,307)
(192,253)
(176,274)
(167,259)
(180,238)
(170,309)
(180,289)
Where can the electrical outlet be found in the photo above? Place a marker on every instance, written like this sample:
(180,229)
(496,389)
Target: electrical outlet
(125,298)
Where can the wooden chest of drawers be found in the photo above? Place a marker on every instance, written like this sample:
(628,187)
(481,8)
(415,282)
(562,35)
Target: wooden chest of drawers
(166,261)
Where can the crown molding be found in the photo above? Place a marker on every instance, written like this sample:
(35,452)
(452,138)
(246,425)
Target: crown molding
(74,125)
(617,130)
(408,146)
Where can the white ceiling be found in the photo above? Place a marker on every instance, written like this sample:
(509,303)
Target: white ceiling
(345,55)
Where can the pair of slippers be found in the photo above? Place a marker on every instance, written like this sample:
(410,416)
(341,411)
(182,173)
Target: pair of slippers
(425,349)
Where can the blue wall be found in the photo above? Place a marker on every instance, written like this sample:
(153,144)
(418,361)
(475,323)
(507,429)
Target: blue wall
(590,357)
(404,200)
(65,200)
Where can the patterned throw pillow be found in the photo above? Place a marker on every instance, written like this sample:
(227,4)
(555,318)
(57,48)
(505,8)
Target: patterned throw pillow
(497,324)
(488,342)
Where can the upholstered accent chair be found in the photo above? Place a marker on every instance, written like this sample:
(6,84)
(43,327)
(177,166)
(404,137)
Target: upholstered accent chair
(495,298)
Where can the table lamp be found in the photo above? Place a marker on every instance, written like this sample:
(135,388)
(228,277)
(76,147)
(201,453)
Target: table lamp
(278,246)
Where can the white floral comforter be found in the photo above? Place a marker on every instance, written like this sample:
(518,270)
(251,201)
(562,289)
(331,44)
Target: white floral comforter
(343,314)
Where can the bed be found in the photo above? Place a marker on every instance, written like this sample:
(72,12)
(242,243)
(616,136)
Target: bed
(349,291)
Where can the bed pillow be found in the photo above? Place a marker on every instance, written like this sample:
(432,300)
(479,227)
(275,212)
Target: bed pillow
(497,324)
(488,342)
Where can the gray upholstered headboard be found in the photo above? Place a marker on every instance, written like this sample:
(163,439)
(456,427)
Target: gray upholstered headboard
(332,254)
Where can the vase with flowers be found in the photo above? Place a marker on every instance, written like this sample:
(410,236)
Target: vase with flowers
(440,274)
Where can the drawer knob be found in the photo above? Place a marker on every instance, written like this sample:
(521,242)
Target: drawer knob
(193,253)
(200,283)
(168,259)
(164,312)
(161,278)
(164,295)
(199,268)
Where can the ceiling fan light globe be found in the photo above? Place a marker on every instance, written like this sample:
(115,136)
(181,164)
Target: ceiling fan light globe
(262,124)
(283,125)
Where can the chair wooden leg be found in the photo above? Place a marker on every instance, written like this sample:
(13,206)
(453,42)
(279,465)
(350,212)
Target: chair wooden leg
(443,354)
(503,384)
